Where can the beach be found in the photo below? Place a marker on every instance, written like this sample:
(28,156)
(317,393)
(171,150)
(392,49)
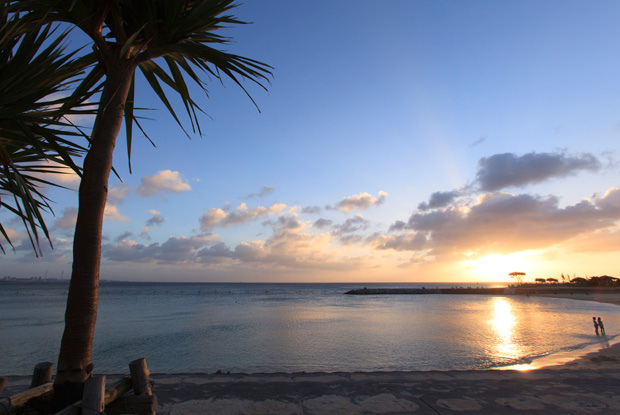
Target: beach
(586,385)
(600,296)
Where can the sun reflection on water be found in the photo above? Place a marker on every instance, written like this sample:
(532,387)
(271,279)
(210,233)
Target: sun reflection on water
(504,323)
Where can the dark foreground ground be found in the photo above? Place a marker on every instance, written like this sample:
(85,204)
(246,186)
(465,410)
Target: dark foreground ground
(541,391)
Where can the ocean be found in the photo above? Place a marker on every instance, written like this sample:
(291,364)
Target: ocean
(251,328)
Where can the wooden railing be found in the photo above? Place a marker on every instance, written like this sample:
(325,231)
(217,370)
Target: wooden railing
(96,399)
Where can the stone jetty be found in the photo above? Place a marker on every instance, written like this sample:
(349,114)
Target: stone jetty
(383,291)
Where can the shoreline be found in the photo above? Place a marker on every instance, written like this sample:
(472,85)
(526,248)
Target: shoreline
(604,355)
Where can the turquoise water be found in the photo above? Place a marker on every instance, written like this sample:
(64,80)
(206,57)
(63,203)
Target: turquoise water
(296,327)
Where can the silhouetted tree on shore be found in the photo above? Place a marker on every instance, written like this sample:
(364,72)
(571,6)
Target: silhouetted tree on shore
(517,276)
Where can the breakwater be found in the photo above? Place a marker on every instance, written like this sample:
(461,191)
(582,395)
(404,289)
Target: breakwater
(511,290)
(382,291)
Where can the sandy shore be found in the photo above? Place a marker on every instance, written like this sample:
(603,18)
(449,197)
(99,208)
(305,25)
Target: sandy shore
(608,357)
(602,297)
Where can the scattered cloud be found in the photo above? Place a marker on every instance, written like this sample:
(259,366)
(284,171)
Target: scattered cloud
(355,224)
(503,222)
(117,194)
(111,213)
(123,236)
(311,210)
(155,219)
(478,142)
(360,201)
(322,223)
(290,246)
(68,218)
(402,242)
(265,191)
(61,174)
(175,250)
(439,200)
(163,182)
(505,170)
(242,214)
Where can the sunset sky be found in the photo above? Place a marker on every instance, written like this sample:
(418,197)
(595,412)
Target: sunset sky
(399,141)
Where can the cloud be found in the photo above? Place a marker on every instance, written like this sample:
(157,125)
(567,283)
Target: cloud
(111,213)
(311,210)
(439,200)
(360,201)
(116,194)
(162,182)
(357,223)
(502,223)
(215,254)
(290,247)
(403,242)
(156,218)
(504,170)
(478,142)
(242,214)
(176,250)
(60,174)
(322,223)
(68,218)
(265,191)
(123,236)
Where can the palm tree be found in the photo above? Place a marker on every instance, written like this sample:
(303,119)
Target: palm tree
(126,36)
(35,136)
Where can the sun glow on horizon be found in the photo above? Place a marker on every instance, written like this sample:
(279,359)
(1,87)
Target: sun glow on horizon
(497,267)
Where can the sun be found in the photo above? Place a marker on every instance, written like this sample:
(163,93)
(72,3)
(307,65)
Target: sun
(497,267)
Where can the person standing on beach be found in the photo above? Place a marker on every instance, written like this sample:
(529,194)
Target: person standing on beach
(600,325)
(595,325)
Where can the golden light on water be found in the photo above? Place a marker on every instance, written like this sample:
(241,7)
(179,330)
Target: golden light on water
(503,323)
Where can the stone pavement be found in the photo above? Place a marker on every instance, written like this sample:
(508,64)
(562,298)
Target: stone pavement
(451,392)
(454,392)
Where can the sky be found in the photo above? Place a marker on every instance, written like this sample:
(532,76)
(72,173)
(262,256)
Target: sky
(406,141)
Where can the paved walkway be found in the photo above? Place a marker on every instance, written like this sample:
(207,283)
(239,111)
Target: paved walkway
(453,392)
(467,392)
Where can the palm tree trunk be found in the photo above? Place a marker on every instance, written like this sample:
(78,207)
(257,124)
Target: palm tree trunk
(74,361)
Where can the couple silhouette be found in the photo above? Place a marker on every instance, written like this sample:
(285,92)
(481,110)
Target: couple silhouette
(598,324)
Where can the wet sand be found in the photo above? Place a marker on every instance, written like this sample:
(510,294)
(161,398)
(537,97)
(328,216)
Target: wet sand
(610,297)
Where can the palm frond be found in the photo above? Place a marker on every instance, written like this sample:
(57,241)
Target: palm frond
(186,33)
(36,138)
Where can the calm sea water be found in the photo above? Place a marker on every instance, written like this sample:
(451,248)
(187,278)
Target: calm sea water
(296,327)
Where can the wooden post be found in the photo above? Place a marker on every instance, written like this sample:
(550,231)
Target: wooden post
(93,400)
(19,400)
(142,384)
(112,393)
(2,382)
(140,377)
(42,374)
